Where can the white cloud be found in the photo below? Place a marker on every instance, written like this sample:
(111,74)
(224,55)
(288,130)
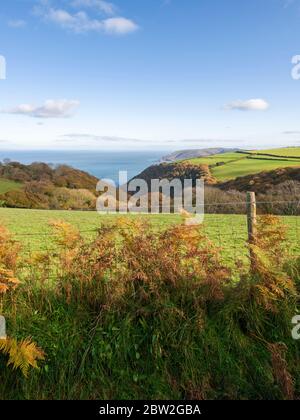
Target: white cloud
(249,105)
(81,22)
(119,26)
(62,108)
(99,5)
(17,23)
(291,132)
(96,138)
(78,22)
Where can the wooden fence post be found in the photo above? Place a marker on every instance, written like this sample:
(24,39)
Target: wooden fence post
(251,222)
(251,216)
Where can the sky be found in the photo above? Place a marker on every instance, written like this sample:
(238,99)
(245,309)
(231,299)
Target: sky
(149,74)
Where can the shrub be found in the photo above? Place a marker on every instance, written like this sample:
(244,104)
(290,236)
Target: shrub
(146,314)
(270,282)
(25,353)
(127,258)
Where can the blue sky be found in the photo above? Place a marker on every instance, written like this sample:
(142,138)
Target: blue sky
(149,74)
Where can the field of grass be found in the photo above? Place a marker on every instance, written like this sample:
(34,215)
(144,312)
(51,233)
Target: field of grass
(285,151)
(214,159)
(226,231)
(233,165)
(32,226)
(250,166)
(7,185)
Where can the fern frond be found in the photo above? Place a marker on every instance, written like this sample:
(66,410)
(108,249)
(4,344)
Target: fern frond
(7,280)
(22,355)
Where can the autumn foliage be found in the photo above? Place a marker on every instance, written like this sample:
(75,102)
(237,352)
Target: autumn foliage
(22,354)
(158,309)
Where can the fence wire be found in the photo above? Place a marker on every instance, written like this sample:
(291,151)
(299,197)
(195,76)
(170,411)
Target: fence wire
(227,231)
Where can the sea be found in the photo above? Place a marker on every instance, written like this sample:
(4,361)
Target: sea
(102,164)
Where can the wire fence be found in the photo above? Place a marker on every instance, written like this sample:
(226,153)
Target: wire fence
(227,231)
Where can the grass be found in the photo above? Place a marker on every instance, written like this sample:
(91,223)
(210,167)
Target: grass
(285,151)
(157,325)
(7,185)
(33,230)
(214,159)
(226,231)
(228,166)
(250,166)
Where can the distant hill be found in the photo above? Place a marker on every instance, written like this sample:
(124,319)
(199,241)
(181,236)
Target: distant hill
(227,166)
(262,182)
(195,153)
(217,167)
(268,172)
(180,170)
(58,175)
(41,186)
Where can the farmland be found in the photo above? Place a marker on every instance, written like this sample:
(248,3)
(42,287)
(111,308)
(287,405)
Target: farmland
(284,151)
(228,166)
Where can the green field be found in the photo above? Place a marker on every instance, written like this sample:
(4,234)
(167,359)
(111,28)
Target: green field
(250,166)
(214,159)
(228,166)
(284,151)
(227,231)
(7,185)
